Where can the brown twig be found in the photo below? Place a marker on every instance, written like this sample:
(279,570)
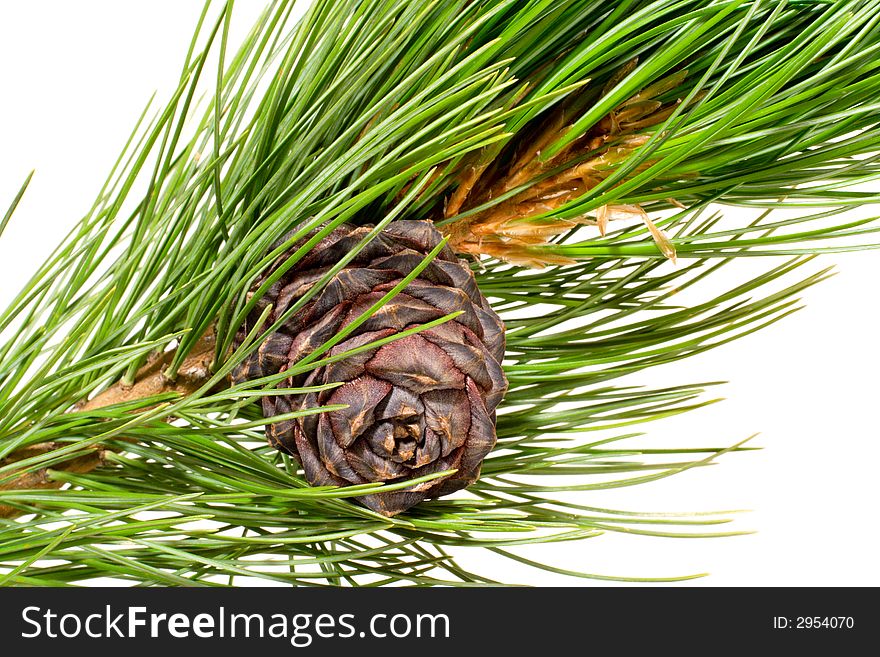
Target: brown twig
(150,380)
(41,479)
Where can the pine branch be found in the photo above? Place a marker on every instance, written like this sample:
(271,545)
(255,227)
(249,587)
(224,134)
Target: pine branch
(150,381)
(517,126)
(41,478)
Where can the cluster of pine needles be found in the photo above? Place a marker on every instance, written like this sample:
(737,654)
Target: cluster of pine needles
(368,111)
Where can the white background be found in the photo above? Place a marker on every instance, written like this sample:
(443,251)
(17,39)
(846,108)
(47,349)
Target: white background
(74,76)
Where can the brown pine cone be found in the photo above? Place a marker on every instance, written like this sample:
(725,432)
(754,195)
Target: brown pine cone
(418,405)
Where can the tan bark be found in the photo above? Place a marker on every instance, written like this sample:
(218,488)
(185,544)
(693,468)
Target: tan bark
(150,380)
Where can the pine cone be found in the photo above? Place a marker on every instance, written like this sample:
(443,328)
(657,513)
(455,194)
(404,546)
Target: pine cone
(417,405)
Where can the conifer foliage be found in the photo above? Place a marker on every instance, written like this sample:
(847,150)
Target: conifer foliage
(566,153)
